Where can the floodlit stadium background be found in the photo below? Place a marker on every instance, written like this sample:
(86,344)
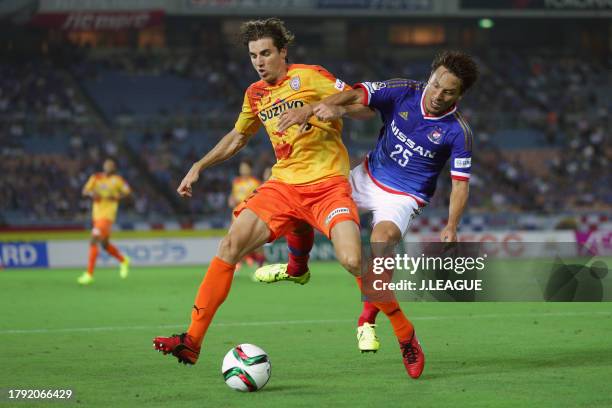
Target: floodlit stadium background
(155,84)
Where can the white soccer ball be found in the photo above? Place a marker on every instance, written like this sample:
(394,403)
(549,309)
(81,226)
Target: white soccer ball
(246,368)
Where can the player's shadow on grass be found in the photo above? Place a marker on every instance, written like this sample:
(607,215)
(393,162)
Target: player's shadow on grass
(507,364)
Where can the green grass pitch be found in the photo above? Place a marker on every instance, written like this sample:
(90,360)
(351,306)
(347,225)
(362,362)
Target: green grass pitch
(97,341)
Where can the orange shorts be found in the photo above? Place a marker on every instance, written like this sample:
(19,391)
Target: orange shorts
(284,206)
(102,228)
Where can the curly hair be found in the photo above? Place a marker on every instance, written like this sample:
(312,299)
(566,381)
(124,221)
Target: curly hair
(269,28)
(462,65)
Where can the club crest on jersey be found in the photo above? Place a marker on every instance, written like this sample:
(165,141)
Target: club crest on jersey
(295,83)
(435,136)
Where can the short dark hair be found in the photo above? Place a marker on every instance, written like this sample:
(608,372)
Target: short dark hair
(460,64)
(269,28)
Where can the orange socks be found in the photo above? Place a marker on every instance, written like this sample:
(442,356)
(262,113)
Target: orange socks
(213,291)
(93,255)
(401,325)
(112,250)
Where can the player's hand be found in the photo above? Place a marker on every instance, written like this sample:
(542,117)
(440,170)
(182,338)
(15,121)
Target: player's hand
(326,113)
(448,234)
(191,177)
(297,116)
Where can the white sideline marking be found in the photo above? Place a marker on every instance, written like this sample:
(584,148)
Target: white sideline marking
(167,326)
(299,322)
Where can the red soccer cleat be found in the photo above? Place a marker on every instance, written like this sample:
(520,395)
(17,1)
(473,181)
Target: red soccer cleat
(414,359)
(180,345)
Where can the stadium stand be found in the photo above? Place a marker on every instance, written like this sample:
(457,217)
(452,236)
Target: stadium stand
(540,145)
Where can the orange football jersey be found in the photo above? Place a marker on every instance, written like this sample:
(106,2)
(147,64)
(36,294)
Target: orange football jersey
(242,187)
(109,190)
(317,153)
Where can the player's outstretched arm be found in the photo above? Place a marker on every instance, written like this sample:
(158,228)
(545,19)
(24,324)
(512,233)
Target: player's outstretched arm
(458,201)
(296,116)
(343,103)
(125,192)
(330,108)
(228,146)
(359,111)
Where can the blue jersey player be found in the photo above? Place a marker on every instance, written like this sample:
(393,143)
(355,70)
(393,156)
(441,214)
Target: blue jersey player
(422,130)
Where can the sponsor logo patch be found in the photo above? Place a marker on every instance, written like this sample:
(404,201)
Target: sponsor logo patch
(378,85)
(337,211)
(463,163)
(339,84)
(404,115)
(279,107)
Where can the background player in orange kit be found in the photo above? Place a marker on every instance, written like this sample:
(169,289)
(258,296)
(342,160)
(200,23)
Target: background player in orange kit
(242,187)
(309,184)
(105,189)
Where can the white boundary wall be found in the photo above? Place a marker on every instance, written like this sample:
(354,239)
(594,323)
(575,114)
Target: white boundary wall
(200,251)
(144,252)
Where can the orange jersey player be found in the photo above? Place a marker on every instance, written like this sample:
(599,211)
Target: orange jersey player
(304,155)
(309,185)
(243,185)
(105,189)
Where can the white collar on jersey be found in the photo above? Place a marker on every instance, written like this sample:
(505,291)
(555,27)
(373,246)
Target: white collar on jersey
(452,110)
